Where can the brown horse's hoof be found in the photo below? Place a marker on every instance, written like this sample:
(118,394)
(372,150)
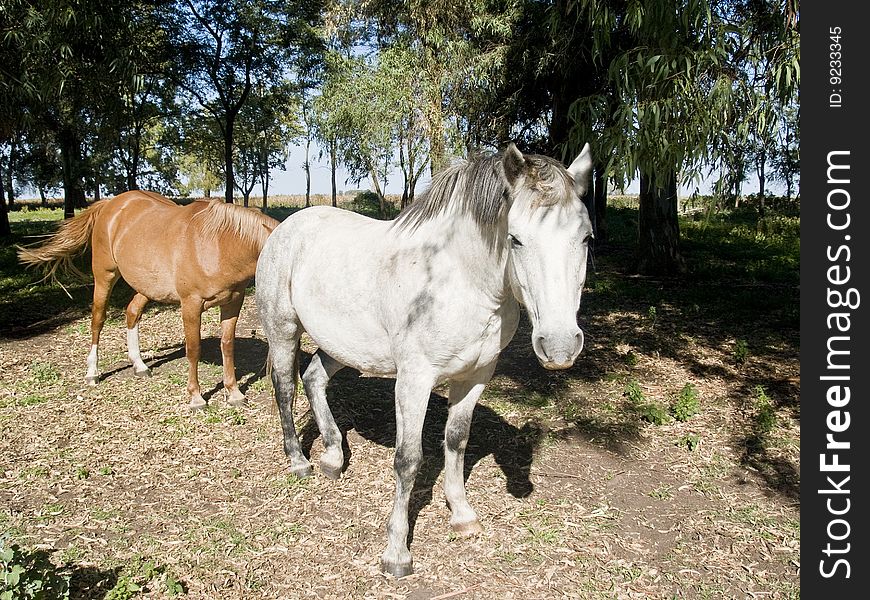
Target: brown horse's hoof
(397,569)
(468,529)
(237,402)
(197,404)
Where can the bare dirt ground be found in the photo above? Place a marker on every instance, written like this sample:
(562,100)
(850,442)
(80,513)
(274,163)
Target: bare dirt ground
(579,496)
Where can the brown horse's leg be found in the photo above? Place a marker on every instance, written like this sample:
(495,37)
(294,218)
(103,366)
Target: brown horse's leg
(191,314)
(134,313)
(104,281)
(229,318)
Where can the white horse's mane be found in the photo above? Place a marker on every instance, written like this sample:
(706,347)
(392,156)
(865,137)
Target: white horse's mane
(478,187)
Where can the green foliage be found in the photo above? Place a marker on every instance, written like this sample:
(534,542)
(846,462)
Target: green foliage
(650,411)
(654,413)
(174,587)
(663,492)
(687,403)
(741,351)
(367,203)
(124,589)
(137,577)
(44,373)
(765,412)
(633,392)
(30,574)
(689,441)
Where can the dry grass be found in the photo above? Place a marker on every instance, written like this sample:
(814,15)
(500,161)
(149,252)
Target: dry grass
(579,498)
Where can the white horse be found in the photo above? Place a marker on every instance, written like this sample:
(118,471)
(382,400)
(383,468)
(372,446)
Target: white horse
(427,298)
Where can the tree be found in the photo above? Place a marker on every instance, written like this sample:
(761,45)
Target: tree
(267,125)
(356,119)
(61,59)
(200,157)
(675,69)
(227,47)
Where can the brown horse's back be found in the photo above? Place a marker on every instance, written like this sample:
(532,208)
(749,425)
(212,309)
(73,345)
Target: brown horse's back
(166,252)
(138,236)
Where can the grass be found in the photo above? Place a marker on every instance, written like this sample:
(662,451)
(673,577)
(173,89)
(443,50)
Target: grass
(199,495)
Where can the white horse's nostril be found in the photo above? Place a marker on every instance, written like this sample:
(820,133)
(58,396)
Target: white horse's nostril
(578,340)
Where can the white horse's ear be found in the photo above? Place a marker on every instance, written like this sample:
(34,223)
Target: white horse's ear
(513,162)
(580,171)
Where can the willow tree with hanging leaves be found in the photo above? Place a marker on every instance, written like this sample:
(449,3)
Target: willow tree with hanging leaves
(673,70)
(59,62)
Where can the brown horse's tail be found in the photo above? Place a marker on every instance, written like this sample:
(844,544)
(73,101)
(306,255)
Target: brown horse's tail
(58,252)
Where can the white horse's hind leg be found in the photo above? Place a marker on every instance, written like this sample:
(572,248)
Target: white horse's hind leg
(284,354)
(463,398)
(317,375)
(412,398)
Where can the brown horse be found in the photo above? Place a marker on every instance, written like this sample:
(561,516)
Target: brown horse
(200,255)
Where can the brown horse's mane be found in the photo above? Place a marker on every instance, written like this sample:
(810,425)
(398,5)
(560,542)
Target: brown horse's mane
(250,225)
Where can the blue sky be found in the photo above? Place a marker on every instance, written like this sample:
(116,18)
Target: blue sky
(292,181)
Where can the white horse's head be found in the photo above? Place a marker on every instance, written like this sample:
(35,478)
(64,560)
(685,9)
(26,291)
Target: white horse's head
(548,236)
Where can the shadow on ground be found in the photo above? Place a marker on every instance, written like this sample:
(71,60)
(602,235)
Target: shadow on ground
(367,405)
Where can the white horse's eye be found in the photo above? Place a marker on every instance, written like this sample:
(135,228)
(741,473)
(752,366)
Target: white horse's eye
(589,237)
(514,241)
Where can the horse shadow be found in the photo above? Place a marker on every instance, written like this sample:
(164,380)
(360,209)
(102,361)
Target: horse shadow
(367,406)
(249,357)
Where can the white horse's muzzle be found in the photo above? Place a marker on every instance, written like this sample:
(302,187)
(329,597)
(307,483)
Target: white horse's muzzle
(559,350)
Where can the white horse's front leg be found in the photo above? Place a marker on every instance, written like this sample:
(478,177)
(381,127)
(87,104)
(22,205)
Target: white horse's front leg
(463,398)
(412,397)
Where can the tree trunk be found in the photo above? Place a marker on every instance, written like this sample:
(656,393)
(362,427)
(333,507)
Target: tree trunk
(264,185)
(5,229)
(10,190)
(373,173)
(405,172)
(333,151)
(307,166)
(658,227)
(73,188)
(759,168)
(43,201)
(599,215)
(132,179)
(228,158)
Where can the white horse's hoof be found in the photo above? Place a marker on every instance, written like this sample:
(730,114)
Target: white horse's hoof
(468,529)
(92,379)
(330,471)
(144,374)
(397,569)
(302,471)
